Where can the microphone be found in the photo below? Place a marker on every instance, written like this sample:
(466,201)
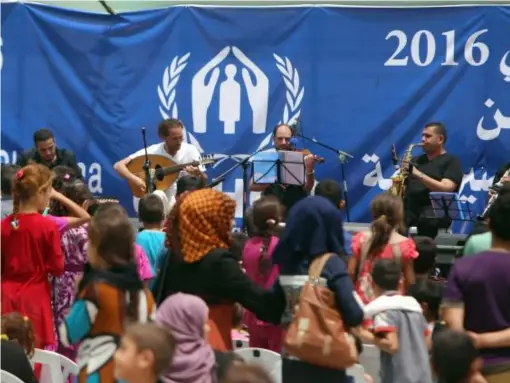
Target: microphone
(394,157)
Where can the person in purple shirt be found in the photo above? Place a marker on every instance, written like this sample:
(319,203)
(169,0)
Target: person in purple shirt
(477,296)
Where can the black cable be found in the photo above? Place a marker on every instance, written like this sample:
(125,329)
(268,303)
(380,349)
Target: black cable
(107,8)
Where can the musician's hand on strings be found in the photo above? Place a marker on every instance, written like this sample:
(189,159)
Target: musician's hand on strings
(140,184)
(309,162)
(193,170)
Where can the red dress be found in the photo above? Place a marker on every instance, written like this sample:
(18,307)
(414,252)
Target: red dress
(29,254)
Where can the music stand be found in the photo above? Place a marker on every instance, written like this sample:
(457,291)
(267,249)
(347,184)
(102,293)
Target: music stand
(448,205)
(279,167)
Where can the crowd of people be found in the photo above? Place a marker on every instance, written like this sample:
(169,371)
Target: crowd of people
(164,304)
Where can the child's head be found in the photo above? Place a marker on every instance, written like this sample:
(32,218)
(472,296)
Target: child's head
(111,237)
(388,212)
(77,191)
(454,357)
(19,328)
(63,175)
(237,320)
(144,354)
(427,253)
(498,219)
(428,293)
(189,183)
(246,373)
(332,191)
(267,214)
(8,172)
(151,211)
(386,276)
(31,186)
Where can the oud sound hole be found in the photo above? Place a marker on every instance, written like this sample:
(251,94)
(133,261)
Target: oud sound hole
(159,173)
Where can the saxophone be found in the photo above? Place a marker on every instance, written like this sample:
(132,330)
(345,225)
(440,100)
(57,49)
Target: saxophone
(399,179)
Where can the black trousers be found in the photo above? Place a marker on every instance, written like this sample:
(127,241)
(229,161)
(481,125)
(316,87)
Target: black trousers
(426,223)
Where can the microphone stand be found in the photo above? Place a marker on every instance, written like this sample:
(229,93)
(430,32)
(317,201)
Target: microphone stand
(147,166)
(343,157)
(244,163)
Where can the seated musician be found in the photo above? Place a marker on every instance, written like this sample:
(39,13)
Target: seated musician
(287,194)
(433,171)
(172,146)
(46,152)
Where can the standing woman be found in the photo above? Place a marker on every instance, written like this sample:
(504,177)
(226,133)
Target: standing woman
(199,235)
(314,227)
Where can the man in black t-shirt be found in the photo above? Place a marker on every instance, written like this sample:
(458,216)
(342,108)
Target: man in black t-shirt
(46,153)
(288,195)
(433,171)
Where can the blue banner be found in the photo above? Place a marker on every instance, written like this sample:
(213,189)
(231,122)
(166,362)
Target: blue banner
(360,79)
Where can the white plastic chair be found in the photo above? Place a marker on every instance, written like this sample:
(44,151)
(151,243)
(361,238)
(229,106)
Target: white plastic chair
(238,344)
(357,372)
(7,377)
(370,359)
(56,368)
(267,359)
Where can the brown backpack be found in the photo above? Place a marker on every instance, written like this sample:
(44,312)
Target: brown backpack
(316,334)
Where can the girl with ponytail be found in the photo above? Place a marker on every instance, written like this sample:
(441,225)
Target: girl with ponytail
(263,221)
(384,241)
(31,251)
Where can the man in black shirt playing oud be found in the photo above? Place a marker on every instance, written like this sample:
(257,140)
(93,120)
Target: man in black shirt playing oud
(433,171)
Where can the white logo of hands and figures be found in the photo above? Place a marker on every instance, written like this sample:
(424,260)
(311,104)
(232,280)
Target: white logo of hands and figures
(376,178)
(203,86)
(502,121)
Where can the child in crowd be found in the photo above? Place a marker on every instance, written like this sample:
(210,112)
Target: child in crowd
(145,353)
(382,242)
(110,295)
(18,344)
(332,191)
(19,328)
(74,245)
(30,248)
(455,358)
(239,336)
(428,293)
(151,213)
(400,330)
(266,215)
(427,254)
(7,174)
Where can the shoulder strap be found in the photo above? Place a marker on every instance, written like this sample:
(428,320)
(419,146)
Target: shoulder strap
(317,265)
(397,253)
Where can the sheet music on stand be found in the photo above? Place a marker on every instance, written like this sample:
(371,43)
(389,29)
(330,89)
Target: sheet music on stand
(281,167)
(448,205)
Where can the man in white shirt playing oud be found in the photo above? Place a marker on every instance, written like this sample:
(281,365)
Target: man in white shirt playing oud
(172,146)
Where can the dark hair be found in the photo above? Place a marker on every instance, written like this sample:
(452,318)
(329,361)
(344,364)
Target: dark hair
(267,213)
(19,328)
(499,217)
(97,202)
(63,174)
(8,172)
(166,125)
(386,274)
(111,234)
(439,128)
(245,373)
(77,191)
(427,254)
(237,318)
(42,135)
(189,183)
(237,246)
(331,190)
(156,339)
(453,353)
(387,213)
(429,291)
(151,209)
(28,181)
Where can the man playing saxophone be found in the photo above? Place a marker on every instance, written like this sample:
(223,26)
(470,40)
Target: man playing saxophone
(433,171)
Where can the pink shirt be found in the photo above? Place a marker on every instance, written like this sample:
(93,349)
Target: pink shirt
(62,222)
(144,267)
(251,255)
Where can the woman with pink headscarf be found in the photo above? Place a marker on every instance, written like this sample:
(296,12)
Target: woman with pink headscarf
(194,360)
